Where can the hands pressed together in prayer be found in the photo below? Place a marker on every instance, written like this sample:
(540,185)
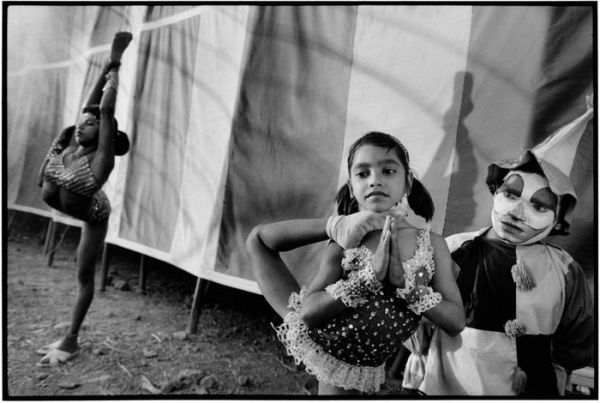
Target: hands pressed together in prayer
(349,230)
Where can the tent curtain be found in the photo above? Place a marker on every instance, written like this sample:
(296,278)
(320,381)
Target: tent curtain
(243,114)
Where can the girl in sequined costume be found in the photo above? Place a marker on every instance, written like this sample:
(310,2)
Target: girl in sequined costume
(71,178)
(364,301)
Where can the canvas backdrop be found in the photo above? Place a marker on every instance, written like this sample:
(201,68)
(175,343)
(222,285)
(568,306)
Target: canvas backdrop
(243,114)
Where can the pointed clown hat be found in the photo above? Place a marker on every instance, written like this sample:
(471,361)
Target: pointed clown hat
(553,158)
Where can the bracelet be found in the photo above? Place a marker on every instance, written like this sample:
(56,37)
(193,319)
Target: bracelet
(422,299)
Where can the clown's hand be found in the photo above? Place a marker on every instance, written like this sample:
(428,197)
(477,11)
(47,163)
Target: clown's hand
(348,230)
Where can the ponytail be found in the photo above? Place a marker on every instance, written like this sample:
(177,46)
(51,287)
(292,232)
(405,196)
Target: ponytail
(420,200)
(346,203)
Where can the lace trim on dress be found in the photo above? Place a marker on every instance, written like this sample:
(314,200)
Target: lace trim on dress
(293,333)
(423,257)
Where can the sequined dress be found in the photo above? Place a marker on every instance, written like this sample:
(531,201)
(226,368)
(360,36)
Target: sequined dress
(350,350)
(77,178)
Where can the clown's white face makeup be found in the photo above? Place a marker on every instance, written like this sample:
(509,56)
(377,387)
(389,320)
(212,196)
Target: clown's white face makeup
(524,208)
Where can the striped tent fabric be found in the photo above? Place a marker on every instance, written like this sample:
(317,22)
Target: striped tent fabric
(243,114)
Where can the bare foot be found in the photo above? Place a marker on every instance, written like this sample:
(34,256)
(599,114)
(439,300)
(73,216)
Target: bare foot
(69,343)
(120,43)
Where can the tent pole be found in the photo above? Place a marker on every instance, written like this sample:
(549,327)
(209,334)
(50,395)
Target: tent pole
(45,233)
(142,276)
(199,297)
(47,236)
(104,266)
(50,243)
(11,219)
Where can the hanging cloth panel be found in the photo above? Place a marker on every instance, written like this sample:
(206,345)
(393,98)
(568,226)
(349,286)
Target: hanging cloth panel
(151,203)
(288,129)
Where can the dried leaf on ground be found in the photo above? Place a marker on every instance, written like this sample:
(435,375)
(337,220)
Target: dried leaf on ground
(147,385)
(183,380)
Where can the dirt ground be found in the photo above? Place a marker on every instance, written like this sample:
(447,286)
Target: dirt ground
(134,344)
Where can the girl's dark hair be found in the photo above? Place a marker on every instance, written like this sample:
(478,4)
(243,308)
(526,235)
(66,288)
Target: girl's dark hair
(121,139)
(93,109)
(419,198)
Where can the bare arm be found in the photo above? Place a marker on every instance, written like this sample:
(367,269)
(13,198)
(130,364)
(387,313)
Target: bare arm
(265,242)
(283,236)
(449,314)
(318,305)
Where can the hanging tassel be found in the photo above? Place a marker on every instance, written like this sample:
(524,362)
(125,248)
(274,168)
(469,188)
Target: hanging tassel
(522,276)
(519,381)
(515,328)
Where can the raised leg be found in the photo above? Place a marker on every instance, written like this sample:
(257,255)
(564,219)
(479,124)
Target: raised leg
(120,43)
